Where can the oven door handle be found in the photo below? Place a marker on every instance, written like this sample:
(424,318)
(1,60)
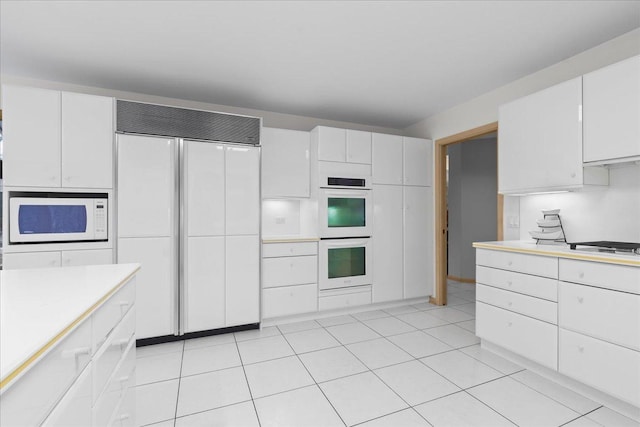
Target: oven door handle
(350,242)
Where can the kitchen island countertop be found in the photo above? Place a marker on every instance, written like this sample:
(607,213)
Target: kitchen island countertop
(39,307)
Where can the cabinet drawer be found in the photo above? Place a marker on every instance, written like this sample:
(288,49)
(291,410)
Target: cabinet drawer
(600,313)
(523,304)
(607,367)
(110,354)
(75,407)
(521,263)
(289,300)
(610,276)
(286,271)
(289,249)
(123,379)
(30,399)
(125,415)
(531,338)
(107,317)
(540,287)
(344,298)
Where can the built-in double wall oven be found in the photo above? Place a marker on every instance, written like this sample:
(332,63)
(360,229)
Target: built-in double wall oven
(345,216)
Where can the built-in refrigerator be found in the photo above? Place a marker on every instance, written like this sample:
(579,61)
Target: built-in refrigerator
(189,213)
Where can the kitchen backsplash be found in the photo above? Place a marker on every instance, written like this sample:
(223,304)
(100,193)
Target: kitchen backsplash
(602,213)
(288,217)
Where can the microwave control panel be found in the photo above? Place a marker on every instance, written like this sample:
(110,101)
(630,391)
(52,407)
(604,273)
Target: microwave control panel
(100,219)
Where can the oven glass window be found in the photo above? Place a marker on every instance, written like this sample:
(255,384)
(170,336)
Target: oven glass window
(345,212)
(42,219)
(346,262)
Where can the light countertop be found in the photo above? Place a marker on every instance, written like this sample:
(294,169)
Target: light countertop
(38,307)
(561,251)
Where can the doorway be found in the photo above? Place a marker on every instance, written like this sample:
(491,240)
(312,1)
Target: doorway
(440,160)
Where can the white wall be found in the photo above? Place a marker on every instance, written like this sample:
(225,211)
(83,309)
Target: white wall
(604,213)
(270,119)
(484,109)
(472,202)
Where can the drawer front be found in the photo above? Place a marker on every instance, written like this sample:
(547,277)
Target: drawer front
(347,300)
(107,317)
(521,263)
(287,271)
(112,352)
(607,367)
(74,410)
(523,335)
(536,286)
(270,250)
(523,304)
(600,313)
(125,415)
(289,300)
(618,277)
(34,395)
(122,379)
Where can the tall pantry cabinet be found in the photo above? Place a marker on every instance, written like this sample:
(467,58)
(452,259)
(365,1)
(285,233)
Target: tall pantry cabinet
(403,222)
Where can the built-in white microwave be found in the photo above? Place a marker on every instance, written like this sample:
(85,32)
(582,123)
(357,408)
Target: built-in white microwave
(38,217)
(344,263)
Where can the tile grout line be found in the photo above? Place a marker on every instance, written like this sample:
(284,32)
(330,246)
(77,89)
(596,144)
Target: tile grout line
(246,379)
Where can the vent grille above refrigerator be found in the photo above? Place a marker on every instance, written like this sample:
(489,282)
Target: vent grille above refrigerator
(149,119)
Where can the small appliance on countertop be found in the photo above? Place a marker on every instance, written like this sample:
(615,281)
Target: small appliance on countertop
(608,246)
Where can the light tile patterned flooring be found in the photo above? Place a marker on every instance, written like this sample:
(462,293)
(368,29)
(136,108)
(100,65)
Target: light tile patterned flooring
(414,365)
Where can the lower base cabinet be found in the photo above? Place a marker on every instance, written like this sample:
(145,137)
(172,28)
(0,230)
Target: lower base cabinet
(289,300)
(343,298)
(48,259)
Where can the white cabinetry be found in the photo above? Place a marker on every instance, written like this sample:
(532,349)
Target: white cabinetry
(48,259)
(402,223)
(285,163)
(611,112)
(540,142)
(342,145)
(511,310)
(598,324)
(57,139)
(289,278)
(86,377)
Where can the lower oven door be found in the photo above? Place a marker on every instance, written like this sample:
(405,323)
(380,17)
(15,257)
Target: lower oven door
(344,263)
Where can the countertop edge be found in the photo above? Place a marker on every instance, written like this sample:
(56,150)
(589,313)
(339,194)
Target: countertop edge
(559,254)
(15,373)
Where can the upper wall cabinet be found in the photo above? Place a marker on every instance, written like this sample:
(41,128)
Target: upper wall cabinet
(540,142)
(418,158)
(343,145)
(285,163)
(57,139)
(612,112)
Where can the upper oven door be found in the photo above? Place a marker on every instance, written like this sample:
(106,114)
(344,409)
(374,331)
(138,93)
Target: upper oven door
(48,220)
(345,213)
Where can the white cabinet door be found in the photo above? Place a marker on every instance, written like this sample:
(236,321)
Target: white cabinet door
(612,111)
(146,186)
(74,409)
(417,161)
(387,243)
(87,141)
(204,182)
(31,136)
(285,163)
(358,147)
(204,289)
(242,166)
(243,280)
(15,261)
(418,242)
(540,140)
(331,144)
(386,159)
(155,284)
(87,257)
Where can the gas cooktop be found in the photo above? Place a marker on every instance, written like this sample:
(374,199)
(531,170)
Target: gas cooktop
(606,246)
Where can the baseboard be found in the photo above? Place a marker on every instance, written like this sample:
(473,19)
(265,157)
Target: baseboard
(199,334)
(461,279)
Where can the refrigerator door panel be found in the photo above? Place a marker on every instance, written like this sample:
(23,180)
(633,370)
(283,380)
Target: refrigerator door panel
(204,182)
(155,284)
(243,280)
(146,186)
(204,288)
(242,190)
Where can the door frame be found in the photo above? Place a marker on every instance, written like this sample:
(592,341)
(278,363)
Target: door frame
(440,159)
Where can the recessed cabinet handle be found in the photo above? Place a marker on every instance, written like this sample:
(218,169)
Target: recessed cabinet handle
(510,283)
(581,275)
(581,349)
(509,303)
(291,265)
(509,324)
(580,300)
(573,174)
(510,263)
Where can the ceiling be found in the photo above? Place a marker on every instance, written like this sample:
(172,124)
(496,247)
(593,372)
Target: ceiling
(382,63)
